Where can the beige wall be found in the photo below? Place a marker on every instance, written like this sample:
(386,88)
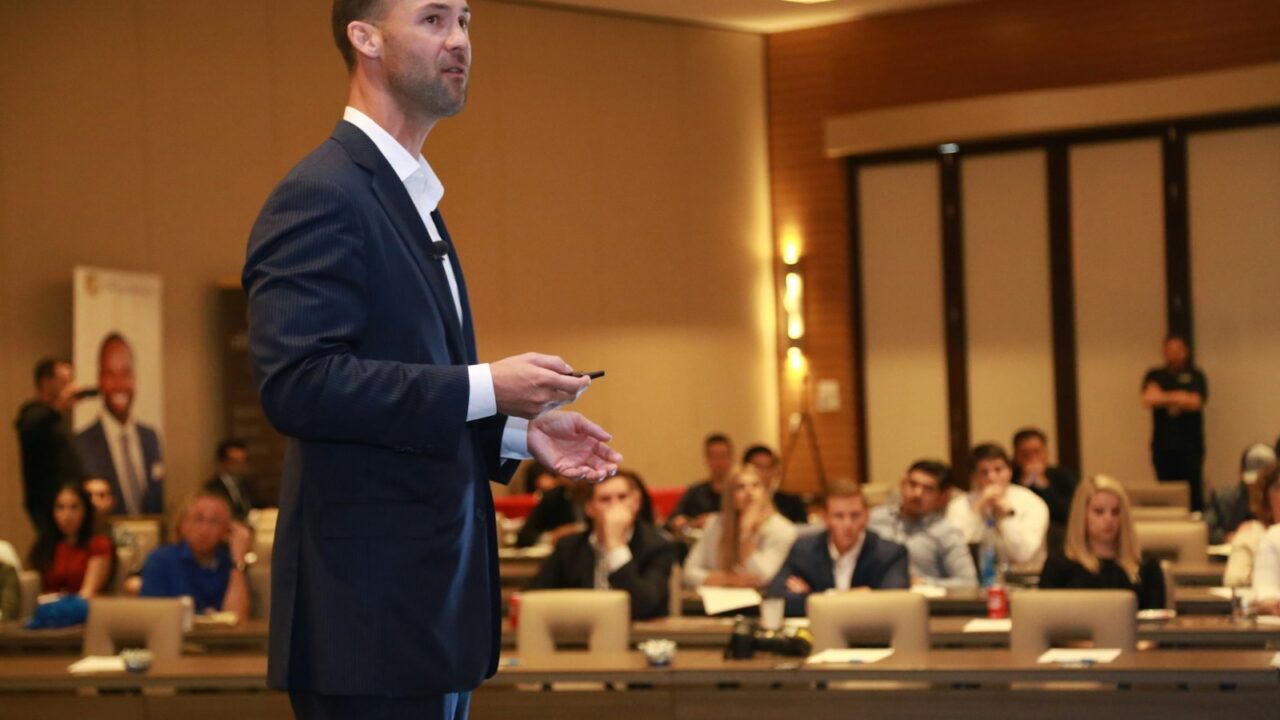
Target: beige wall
(1234,183)
(1008,322)
(905,340)
(1117,225)
(607,189)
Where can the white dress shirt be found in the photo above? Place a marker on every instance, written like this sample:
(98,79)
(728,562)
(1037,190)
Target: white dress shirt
(609,561)
(842,565)
(426,190)
(1021,532)
(117,436)
(1266,566)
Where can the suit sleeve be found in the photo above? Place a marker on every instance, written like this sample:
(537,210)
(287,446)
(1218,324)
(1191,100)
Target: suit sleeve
(795,602)
(897,573)
(307,279)
(647,578)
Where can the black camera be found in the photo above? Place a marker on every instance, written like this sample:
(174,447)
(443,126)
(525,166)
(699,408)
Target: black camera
(748,637)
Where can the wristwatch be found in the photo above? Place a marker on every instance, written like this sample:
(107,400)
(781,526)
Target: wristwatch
(249,559)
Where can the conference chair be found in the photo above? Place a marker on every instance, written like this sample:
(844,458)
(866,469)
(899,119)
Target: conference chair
(118,623)
(1146,513)
(838,620)
(1042,617)
(29,582)
(1182,541)
(675,591)
(603,617)
(135,538)
(1165,494)
(259,579)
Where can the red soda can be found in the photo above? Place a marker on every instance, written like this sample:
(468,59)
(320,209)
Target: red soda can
(997,602)
(513,610)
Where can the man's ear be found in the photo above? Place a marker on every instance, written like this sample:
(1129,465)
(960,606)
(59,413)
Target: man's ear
(365,38)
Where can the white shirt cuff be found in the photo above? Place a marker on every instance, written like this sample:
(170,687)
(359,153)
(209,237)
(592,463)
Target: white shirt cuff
(482,402)
(617,557)
(515,439)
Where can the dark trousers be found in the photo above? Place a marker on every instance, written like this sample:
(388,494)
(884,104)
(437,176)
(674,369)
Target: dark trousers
(1182,464)
(314,706)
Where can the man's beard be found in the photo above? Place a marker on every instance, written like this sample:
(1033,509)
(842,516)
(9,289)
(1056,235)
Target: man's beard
(432,97)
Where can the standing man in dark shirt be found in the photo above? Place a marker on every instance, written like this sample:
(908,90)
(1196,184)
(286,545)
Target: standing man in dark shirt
(48,460)
(703,498)
(1055,485)
(1176,394)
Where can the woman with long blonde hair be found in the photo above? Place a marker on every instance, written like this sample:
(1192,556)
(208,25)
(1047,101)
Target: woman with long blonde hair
(1101,549)
(745,544)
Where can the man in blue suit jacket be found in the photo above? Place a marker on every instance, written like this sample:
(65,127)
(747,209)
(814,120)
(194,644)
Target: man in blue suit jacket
(118,448)
(385,575)
(845,556)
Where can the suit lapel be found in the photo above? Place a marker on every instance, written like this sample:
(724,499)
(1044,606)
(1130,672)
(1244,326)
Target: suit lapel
(862,566)
(468,329)
(395,200)
(822,559)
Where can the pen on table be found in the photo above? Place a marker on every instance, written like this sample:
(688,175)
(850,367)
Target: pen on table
(592,375)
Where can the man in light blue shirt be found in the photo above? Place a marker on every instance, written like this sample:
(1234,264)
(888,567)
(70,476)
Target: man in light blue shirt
(939,554)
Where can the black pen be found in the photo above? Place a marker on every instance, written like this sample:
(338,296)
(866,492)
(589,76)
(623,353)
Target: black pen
(592,375)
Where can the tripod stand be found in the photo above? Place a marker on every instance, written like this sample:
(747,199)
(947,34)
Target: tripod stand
(805,425)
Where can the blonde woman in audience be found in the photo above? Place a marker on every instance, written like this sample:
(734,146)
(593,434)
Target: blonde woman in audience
(1101,549)
(745,544)
(1264,499)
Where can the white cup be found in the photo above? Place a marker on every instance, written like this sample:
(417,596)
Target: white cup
(772,612)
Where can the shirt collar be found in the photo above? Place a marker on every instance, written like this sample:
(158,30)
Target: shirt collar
(114,427)
(853,551)
(402,161)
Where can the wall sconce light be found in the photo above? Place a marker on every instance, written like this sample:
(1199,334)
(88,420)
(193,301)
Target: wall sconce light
(793,304)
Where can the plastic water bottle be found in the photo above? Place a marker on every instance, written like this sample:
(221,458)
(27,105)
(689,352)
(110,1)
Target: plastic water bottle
(989,556)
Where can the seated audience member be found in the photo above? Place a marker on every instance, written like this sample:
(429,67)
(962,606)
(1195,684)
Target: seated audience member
(558,512)
(1266,572)
(938,551)
(619,552)
(207,562)
(766,463)
(1228,507)
(1102,549)
(1055,485)
(68,555)
(745,543)
(846,556)
(702,499)
(9,555)
(1265,499)
(229,481)
(1021,517)
(103,501)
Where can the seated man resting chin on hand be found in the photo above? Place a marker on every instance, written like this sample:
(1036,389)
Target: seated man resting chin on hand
(208,561)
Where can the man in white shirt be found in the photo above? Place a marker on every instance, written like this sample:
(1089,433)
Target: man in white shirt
(1022,518)
(385,591)
(846,556)
(117,448)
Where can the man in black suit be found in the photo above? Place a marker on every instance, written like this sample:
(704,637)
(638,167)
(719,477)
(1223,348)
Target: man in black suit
(229,482)
(846,556)
(385,586)
(618,551)
(117,448)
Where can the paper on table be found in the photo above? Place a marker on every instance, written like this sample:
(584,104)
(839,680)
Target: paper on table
(97,664)
(1080,655)
(929,591)
(226,617)
(1275,660)
(851,655)
(978,625)
(1223,550)
(1268,620)
(1222,592)
(716,600)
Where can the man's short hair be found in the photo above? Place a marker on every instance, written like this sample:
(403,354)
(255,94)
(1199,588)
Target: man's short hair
(714,438)
(229,444)
(346,12)
(755,450)
(1027,433)
(631,476)
(1180,337)
(935,469)
(843,488)
(987,451)
(46,368)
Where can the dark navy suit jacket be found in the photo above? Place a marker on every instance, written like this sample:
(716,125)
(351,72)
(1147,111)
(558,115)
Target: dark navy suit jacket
(95,460)
(882,565)
(385,570)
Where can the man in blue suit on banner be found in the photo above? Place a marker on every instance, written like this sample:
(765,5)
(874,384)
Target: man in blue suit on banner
(385,587)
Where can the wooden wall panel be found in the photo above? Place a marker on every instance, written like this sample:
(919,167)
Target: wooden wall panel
(954,51)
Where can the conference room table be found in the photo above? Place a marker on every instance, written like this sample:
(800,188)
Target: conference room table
(1240,684)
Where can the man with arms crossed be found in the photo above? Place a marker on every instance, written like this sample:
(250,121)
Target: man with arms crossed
(385,588)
